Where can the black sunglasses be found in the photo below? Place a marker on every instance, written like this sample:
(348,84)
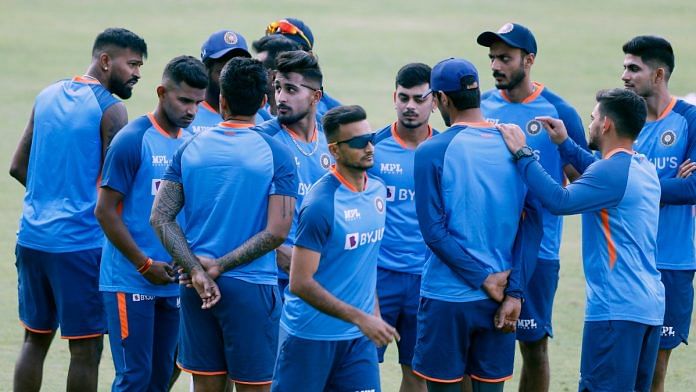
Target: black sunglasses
(359,142)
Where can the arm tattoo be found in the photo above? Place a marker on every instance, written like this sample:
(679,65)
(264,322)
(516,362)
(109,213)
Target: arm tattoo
(168,203)
(253,248)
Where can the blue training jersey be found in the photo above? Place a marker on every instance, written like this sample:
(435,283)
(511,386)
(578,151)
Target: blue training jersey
(469,201)
(403,248)
(619,197)
(667,142)
(209,118)
(326,103)
(312,160)
(497,108)
(345,227)
(135,163)
(227,174)
(64,167)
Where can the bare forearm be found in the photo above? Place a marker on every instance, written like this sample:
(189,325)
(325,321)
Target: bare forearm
(168,203)
(316,295)
(117,232)
(255,247)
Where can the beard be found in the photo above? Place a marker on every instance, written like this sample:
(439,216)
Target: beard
(515,79)
(445,118)
(290,117)
(121,89)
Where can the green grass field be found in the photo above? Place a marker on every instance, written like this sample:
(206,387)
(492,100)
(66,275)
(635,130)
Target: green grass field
(361,45)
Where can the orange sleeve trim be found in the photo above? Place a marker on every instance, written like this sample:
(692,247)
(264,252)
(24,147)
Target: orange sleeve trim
(42,331)
(611,248)
(423,376)
(199,373)
(250,382)
(122,314)
(94,335)
(491,380)
(668,109)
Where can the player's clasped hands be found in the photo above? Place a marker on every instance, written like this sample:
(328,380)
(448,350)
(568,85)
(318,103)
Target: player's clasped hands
(160,273)
(505,318)
(378,330)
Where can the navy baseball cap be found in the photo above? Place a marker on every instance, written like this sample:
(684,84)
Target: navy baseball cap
(222,42)
(451,75)
(512,34)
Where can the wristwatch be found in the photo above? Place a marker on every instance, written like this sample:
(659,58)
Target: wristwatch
(523,152)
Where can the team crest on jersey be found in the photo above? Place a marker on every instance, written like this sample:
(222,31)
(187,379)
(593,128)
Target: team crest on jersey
(668,138)
(533,127)
(230,38)
(379,204)
(506,28)
(325,161)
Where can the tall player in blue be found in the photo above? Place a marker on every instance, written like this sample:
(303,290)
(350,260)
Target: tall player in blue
(619,197)
(403,252)
(136,277)
(237,189)
(469,201)
(219,48)
(297,85)
(518,100)
(58,160)
(331,316)
(668,139)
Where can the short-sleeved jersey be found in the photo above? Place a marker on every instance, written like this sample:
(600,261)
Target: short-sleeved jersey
(403,248)
(208,118)
(619,197)
(311,159)
(497,108)
(345,227)
(469,173)
(64,168)
(667,142)
(227,174)
(135,163)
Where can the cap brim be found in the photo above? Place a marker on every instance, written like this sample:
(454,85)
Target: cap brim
(488,38)
(225,51)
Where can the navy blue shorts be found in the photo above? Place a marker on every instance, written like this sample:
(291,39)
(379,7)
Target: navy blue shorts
(679,304)
(237,337)
(60,289)
(535,319)
(399,295)
(326,365)
(618,356)
(143,333)
(459,338)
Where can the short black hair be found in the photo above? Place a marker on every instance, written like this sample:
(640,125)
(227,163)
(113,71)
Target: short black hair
(274,45)
(652,50)
(119,37)
(301,62)
(341,115)
(186,69)
(465,99)
(626,108)
(412,75)
(243,85)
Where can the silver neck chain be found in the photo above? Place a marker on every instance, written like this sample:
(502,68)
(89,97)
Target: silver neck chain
(303,152)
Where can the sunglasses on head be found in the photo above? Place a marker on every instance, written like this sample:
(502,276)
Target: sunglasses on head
(358,142)
(284,27)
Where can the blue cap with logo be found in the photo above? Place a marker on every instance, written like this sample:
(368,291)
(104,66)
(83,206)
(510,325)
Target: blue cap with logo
(451,75)
(222,42)
(512,34)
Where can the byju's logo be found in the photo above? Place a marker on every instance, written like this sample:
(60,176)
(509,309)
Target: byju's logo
(390,168)
(391,190)
(155,186)
(143,297)
(354,240)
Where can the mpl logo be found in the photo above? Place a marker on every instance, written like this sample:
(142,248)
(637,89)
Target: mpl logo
(526,324)
(354,240)
(390,168)
(155,186)
(351,215)
(160,160)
